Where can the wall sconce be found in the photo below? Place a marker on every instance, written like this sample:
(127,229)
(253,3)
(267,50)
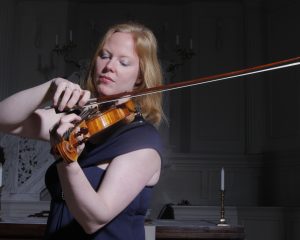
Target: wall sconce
(66,50)
(182,54)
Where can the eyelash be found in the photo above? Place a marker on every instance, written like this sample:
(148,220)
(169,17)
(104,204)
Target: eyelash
(124,64)
(105,56)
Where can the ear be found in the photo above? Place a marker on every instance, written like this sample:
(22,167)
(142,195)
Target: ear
(139,80)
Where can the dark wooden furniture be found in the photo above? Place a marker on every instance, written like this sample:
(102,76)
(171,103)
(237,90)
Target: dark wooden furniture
(20,231)
(200,232)
(164,230)
(174,229)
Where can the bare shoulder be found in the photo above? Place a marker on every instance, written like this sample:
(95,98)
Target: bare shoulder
(143,164)
(140,157)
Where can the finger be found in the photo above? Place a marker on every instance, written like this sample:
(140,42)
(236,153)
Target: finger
(78,134)
(70,118)
(67,122)
(85,96)
(59,85)
(75,97)
(80,148)
(72,94)
(63,128)
(56,135)
(79,138)
(65,98)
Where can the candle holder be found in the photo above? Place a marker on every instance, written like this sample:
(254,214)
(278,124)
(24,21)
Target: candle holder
(65,51)
(181,55)
(222,222)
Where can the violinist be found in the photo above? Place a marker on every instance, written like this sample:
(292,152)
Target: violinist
(105,192)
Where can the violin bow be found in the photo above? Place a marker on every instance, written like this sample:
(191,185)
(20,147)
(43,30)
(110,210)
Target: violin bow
(204,80)
(198,81)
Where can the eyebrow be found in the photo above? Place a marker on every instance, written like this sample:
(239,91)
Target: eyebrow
(121,56)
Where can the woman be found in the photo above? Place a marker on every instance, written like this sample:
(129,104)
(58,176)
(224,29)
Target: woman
(105,194)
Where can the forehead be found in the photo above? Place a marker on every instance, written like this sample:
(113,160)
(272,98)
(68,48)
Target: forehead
(120,43)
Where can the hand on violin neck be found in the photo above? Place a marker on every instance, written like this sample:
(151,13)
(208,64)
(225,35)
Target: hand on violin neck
(80,135)
(66,95)
(69,133)
(66,123)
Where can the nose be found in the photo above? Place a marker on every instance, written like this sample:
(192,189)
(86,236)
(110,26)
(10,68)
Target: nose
(110,65)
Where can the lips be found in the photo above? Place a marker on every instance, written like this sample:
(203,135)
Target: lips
(105,79)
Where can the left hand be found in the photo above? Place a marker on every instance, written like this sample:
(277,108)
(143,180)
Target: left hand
(66,123)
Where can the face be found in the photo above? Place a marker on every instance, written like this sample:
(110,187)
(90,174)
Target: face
(117,66)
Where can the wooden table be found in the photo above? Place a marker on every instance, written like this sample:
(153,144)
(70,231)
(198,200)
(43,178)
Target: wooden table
(174,229)
(169,229)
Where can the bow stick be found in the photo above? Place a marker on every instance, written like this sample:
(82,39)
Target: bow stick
(203,80)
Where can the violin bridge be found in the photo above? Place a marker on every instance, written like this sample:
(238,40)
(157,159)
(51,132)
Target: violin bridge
(89,110)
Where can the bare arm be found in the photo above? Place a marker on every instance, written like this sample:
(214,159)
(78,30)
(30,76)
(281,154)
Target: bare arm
(126,176)
(18,107)
(20,113)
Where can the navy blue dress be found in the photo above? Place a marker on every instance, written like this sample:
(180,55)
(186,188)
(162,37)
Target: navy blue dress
(129,224)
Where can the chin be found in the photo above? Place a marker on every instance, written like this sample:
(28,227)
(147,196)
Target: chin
(106,92)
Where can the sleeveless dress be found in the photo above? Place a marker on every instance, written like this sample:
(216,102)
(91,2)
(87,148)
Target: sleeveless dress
(129,224)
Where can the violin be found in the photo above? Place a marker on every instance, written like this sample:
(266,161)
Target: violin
(94,121)
(97,121)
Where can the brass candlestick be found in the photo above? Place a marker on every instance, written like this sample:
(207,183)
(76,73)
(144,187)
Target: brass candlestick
(222,221)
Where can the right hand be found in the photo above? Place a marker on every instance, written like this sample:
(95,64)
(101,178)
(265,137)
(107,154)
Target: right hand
(67,94)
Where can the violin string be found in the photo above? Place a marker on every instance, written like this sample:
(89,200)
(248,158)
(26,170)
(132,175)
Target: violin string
(87,111)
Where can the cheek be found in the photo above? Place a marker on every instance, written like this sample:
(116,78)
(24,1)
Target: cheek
(98,65)
(132,79)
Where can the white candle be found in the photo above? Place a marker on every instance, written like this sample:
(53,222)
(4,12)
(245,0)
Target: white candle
(177,39)
(222,179)
(191,43)
(71,36)
(56,39)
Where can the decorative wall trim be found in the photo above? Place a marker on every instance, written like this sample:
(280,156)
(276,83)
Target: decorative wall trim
(260,223)
(213,160)
(18,210)
(196,178)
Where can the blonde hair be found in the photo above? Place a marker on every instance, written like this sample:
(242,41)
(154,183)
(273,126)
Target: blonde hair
(150,70)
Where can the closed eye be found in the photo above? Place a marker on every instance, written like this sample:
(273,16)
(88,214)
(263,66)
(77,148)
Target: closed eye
(104,55)
(124,62)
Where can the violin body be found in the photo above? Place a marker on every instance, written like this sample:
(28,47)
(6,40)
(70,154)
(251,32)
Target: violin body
(92,125)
